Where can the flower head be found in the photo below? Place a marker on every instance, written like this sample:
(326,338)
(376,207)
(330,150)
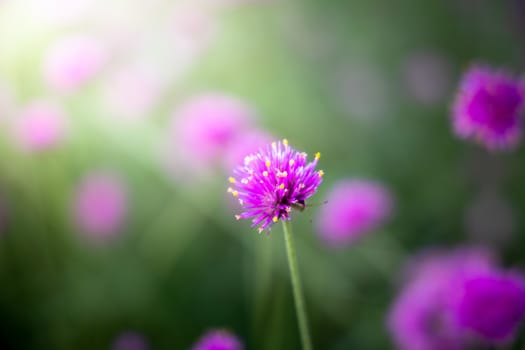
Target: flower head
(245,143)
(40,126)
(73,61)
(272,182)
(423,315)
(353,208)
(206,126)
(488,108)
(100,205)
(492,305)
(218,340)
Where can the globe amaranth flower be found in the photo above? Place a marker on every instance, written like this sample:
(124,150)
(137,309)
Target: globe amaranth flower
(488,108)
(39,127)
(206,125)
(100,205)
(353,209)
(72,61)
(492,305)
(423,317)
(272,182)
(218,339)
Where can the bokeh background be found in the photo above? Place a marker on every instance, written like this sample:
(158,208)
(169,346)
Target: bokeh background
(111,225)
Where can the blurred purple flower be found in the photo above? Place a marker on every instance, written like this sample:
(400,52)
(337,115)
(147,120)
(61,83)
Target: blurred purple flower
(244,144)
(427,76)
(488,108)
(72,61)
(423,315)
(492,305)
(40,126)
(130,341)
(420,319)
(353,209)
(131,92)
(100,204)
(272,182)
(218,339)
(205,127)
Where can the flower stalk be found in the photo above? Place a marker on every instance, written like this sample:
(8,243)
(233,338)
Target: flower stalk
(296,286)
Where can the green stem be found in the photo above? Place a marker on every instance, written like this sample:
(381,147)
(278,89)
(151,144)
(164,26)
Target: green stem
(296,286)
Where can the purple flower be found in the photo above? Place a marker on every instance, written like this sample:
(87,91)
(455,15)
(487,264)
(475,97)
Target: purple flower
(492,305)
(205,127)
(353,208)
(73,61)
(423,315)
(40,126)
(100,205)
(488,108)
(244,144)
(218,339)
(420,319)
(130,341)
(272,182)
(132,91)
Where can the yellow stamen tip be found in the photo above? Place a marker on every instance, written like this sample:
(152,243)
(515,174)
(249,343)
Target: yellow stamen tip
(265,173)
(274,145)
(281,186)
(285,142)
(268,163)
(291,162)
(235,194)
(318,155)
(230,190)
(275,219)
(321,173)
(231,179)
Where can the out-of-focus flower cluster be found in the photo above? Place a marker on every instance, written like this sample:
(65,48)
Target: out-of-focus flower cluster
(455,300)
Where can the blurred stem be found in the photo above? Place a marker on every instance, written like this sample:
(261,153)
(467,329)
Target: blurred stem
(296,286)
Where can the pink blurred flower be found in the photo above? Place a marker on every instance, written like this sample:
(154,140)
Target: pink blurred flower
(72,61)
(40,126)
(130,341)
(244,144)
(205,127)
(132,91)
(218,339)
(353,209)
(100,204)
(427,76)
(492,305)
(423,315)
(488,108)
